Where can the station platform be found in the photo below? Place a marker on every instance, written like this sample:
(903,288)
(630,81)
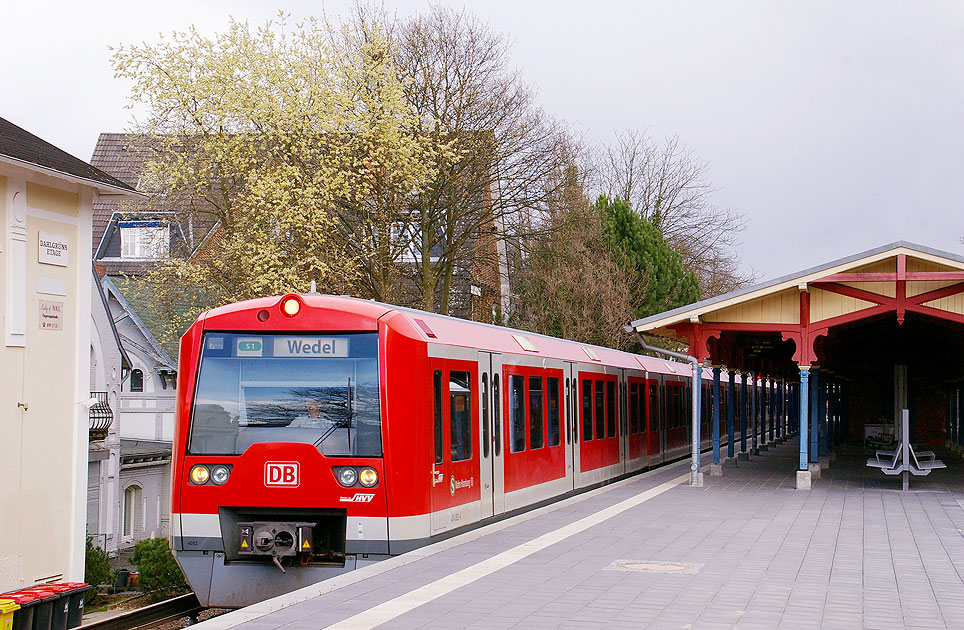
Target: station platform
(746,550)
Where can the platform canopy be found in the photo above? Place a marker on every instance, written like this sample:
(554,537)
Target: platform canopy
(798,318)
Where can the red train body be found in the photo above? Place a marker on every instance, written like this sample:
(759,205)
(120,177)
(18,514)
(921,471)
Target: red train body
(316,434)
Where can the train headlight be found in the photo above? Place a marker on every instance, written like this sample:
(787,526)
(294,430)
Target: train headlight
(200,475)
(290,307)
(219,475)
(347,477)
(368,477)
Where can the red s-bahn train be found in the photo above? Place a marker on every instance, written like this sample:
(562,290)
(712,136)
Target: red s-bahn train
(316,434)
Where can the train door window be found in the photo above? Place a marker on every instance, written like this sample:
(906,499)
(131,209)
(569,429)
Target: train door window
(610,409)
(653,407)
(552,408)
(517,414)
(634,407)
(437,392)
(600,411)
(568,412)
(536,436)
(485,415)
(460,415)
(586,410)
(497,414)
(575,424)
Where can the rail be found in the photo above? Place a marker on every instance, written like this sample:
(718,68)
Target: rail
(148,616)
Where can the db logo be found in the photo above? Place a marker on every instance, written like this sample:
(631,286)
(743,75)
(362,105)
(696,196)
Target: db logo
(281,474)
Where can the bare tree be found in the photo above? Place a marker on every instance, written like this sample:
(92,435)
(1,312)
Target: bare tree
(504,147)
(668,186)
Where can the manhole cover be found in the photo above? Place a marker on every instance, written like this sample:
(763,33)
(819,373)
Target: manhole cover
(655,566)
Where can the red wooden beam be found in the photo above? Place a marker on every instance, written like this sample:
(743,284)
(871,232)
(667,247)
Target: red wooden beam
(936,312)
(910,276)
(937,294)
(859,294)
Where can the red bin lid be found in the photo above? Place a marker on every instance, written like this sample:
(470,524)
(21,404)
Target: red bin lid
(21,597)
(58,587)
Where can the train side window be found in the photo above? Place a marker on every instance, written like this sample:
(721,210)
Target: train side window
(600,411)
(552,404)
(460,415)
(437,391)
(485,415)
(517,414)
(575,424)
(586,410)
(568,412)
(497,414)
(536,435)
(634,407)
(610,409)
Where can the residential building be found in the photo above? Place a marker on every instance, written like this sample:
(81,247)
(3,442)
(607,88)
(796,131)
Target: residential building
(46,206)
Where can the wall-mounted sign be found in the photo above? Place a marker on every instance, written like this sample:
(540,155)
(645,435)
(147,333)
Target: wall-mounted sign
(52,249)
(51,315)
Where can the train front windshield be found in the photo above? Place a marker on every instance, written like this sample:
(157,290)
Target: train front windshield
(314,389)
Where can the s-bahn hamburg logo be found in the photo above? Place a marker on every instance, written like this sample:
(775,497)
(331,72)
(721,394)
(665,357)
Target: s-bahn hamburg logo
(285,474)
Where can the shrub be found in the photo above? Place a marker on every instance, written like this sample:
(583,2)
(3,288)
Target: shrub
(157,571)
(97,567)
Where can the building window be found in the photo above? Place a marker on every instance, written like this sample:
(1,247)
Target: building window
(132,509)
(137,381)
(145,240)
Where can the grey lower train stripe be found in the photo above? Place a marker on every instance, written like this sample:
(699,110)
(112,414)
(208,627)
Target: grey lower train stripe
(393,608)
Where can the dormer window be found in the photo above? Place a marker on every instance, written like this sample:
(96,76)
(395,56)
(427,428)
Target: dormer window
(145,240)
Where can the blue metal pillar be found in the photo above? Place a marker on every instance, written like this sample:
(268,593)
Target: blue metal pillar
(781,406)
(716,415)
(804,413)
(730,413)
(773,409)
(744,406)
(764,410)
(956,421)
(824,417)
(812,395)
(752,414)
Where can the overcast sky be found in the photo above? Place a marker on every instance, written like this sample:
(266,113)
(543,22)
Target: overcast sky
(833,126)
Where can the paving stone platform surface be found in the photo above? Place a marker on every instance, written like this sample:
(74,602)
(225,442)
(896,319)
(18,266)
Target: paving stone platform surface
(853,552)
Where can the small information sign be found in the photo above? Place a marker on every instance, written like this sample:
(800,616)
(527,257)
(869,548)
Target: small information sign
(51,315)
(53,249)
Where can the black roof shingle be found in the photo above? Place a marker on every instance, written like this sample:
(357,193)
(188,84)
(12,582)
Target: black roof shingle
(19,144)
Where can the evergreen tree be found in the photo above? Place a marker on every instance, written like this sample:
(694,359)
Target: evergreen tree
(660,281)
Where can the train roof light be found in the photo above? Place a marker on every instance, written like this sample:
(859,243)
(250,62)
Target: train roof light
(591,353)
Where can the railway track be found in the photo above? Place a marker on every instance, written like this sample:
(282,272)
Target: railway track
(150,616)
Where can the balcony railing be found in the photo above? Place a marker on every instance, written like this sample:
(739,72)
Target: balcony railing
(101,416)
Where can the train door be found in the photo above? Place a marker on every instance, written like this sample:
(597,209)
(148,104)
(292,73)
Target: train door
(623,422)
(455,464)
(657,420)
(572,425)
(491,473)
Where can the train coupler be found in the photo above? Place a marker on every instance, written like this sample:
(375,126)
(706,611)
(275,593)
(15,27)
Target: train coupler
(275,540)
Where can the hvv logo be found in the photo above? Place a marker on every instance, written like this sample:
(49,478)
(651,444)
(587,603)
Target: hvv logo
(282,474)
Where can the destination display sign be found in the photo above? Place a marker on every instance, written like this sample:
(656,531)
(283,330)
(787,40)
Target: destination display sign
(310,347)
